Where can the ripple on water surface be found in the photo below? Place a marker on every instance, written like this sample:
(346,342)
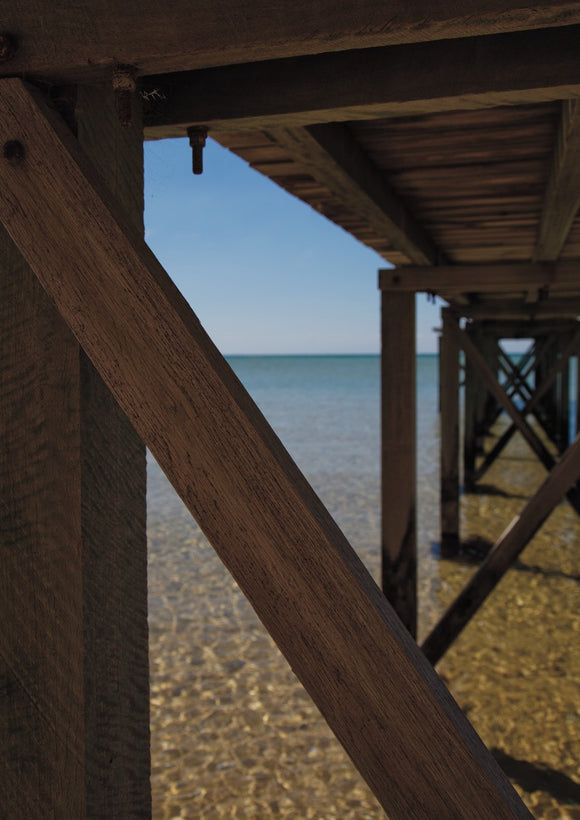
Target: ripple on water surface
(235,736)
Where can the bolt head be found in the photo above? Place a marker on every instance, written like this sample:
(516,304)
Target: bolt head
(8,47)
(13,152)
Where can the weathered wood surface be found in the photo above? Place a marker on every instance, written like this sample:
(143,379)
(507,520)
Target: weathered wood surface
(449,425)
(399,456)
(562,197)
(74,705)
(41,639)
(396,81)
(333,157)
(500,278)
(83,39)
(342,638)
(472,180)
(504,553)
(114,481)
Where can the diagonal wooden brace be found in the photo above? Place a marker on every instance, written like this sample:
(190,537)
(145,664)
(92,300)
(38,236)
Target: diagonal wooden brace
(495,388)
(373,685)
(541,391)
(514,539)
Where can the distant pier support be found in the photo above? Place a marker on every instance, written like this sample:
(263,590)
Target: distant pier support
(449,420)
(399,528)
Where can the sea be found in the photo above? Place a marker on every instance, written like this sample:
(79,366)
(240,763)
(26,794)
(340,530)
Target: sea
(234,735)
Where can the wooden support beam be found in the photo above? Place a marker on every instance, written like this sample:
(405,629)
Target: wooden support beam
(513,376)
(472,393)
(82,40)
(562,197)
(342,638)
(419,78)
(515,310)
(335,159)
(449,421)
(503,399)
(475,357)
(506,550)
(398,476)
(74,677)
(554,277)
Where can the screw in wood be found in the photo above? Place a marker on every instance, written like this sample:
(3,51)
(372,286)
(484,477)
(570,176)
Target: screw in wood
(8,47)
(13,151)
(197,136)
(124,86)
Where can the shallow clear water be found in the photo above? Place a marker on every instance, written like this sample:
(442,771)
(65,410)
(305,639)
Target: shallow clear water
(234,734)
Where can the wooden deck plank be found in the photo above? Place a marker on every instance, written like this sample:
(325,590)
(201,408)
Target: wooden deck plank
(562,198)
(343,640)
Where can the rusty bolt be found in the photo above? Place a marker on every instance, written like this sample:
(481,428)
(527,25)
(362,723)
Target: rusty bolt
(197,136)
(8,47)
(124,86)
(13,152)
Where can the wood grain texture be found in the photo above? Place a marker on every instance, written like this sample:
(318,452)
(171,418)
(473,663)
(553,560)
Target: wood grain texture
(369,84)
(562,197)
(42,738)
(473,181)
(509,546)
(74,705)
(399,456)
(84,39)
(377,692)
(554,277)
(114,523)
(333,157)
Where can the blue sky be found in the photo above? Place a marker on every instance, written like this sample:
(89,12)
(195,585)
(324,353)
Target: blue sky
(264,272)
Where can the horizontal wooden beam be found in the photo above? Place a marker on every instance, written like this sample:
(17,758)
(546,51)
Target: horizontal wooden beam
(499,278)
(549,309)
(334,158)
(84,39)
(421,78)
(562,198)
(373,685)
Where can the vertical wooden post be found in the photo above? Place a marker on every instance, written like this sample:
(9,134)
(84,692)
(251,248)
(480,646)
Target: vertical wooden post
(563,437)
(74,717)
(114,523)
(449,419)
(469,422)
(399,528)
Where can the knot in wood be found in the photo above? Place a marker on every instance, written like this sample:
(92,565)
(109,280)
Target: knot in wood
(13,151)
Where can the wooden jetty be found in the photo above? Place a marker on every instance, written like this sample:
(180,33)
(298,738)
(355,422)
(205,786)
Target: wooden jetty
(445,136)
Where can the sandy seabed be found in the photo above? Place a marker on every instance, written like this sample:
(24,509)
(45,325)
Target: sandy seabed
(234,735)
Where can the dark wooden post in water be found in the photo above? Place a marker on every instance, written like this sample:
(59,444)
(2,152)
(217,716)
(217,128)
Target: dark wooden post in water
(470,415)
(563,435)
(74,700)
(399,528)
(449,420)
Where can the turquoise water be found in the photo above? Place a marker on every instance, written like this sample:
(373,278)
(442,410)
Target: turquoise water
(233,733)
